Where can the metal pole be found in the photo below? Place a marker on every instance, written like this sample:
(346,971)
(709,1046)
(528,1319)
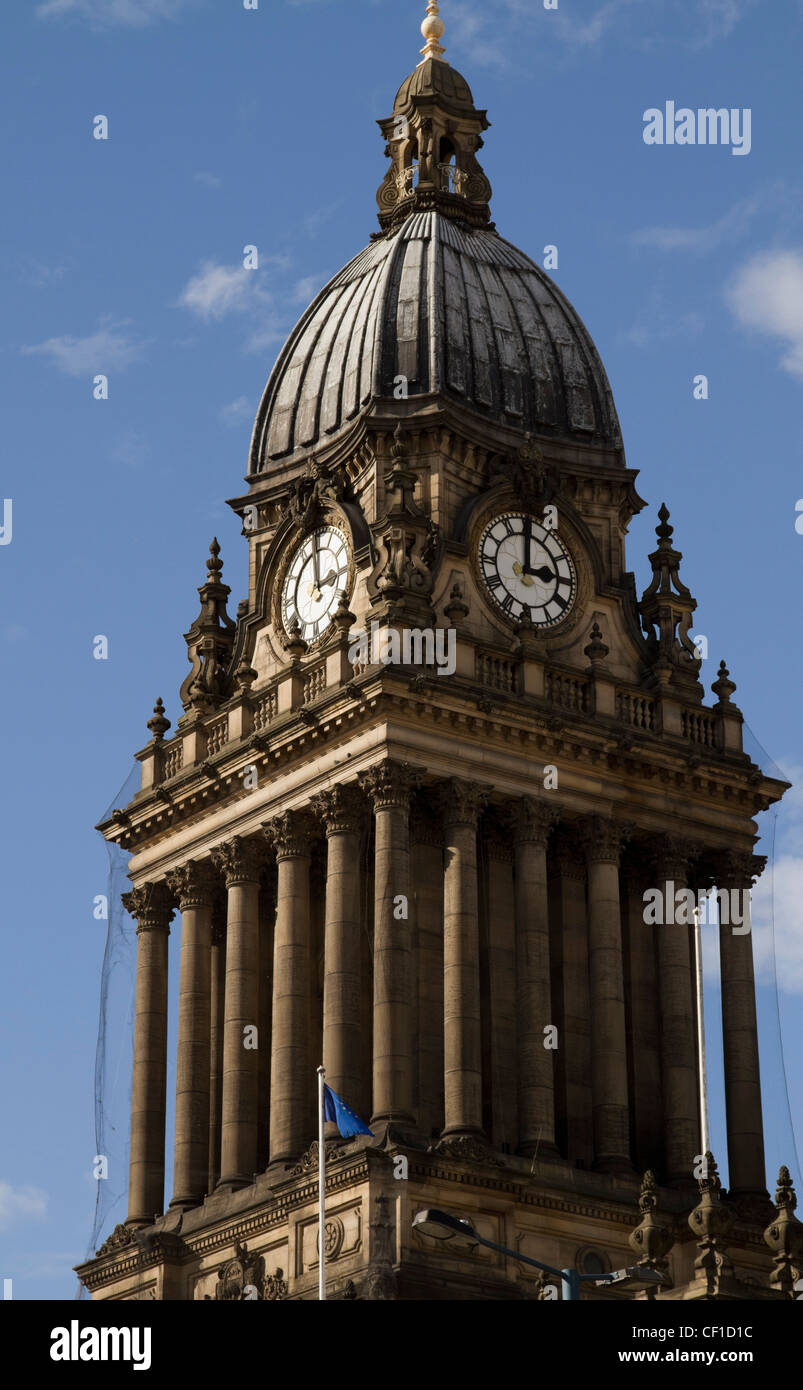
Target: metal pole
(321,1192)
(698,963)
(570,1286)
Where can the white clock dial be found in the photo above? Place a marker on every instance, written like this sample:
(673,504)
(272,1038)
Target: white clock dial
(317,573)
(528,571)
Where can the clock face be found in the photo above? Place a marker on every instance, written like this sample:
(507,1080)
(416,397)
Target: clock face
(317,573)
(527,570)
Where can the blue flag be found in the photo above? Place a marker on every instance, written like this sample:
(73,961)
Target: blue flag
(336,1109)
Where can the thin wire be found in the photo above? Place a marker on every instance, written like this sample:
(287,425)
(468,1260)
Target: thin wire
(774,817)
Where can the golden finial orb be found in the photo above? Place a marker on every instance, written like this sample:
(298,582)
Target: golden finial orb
(432,29)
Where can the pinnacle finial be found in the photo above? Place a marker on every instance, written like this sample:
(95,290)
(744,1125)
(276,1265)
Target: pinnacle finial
(214,565)
(432,29)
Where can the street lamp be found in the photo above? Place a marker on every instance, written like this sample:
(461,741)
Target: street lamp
(442,1225)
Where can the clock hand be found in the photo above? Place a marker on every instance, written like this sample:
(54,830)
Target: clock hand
(315,564)
(330,579)
(543,574)
(528,536)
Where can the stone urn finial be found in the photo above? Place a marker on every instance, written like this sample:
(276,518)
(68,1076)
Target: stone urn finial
(710,1220)
(784,1236)
(654,1236)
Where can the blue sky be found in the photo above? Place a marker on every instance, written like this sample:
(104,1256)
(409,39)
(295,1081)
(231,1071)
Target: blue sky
(124,257)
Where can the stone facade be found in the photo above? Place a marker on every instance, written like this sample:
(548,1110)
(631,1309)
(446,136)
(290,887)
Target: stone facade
(424,876)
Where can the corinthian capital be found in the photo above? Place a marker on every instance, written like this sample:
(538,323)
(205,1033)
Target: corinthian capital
(673,857)
(531,821)
(739,869)
(388,784)
(239,860)
(192,884)
(603,839)
(341,809)
(291,834)
(151,905)
(461,802)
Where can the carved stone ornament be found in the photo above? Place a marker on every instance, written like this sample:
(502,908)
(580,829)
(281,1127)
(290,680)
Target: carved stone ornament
(239,860)
(654,1236)
(470,1148)
(710,1220)
(311,495)
(784,1236)
(193,884)
(120,1237)
(341,809)
(603,839)
(210,641)
(151,905)
(291,834)
(308,1163)
(461,802)
(531,821)
(388,784)
(239,1276)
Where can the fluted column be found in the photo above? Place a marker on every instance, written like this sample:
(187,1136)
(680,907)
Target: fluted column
(678,1023)
(217,993)
(388,785)
(239,860)
(603,842)
(498,976)
(151,906)
(292,1073)
(536,1086)
(192,885)
(746,1173)
(342,810)
(462,1040)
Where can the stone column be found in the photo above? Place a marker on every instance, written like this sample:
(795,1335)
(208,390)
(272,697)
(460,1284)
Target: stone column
(292,1069)
(151,906)
(426,875)
(240,861)
(192,884)
(746,1174)
(217,992)
(536,1088)
(573,1062)
(678,1023)
(462,1041)
(388,785)
(603,842)
(498,987)
(644,1017)
(342,811)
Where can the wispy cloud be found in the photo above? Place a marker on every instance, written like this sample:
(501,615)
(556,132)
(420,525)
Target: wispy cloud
(109,348)
(131,14)
(728,227)
(766,295)
(717,19)
(20,1204)
(658,321)
(218,290)
(305,290)
(208,180)
(237,411)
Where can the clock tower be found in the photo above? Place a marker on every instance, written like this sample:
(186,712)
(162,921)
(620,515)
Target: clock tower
(435,879)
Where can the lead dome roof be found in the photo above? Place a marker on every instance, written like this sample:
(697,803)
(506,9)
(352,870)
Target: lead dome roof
(458,311)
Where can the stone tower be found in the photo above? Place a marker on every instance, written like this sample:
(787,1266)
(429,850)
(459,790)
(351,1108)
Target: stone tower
(416,797)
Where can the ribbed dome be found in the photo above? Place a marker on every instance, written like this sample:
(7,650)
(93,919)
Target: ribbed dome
(456,310)
(435,78)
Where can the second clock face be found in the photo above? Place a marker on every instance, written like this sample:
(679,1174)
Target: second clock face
(527,569)
(318,571)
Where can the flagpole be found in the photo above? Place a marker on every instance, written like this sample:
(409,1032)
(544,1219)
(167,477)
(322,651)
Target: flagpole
(321,1192)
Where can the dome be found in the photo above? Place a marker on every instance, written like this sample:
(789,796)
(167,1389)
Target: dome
(456,310)
(434,78)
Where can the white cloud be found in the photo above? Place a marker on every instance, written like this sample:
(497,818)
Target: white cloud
(304,291)
(132,14)
(20,1204)
(766,294)
(218,290)
(208,180)
(732,223)
(718,19)
(235,411)
(109,348)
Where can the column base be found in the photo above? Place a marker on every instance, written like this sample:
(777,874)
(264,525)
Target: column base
(185,1203)
(232,1184)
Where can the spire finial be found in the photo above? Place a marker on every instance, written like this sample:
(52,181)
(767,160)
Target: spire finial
(432,29)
